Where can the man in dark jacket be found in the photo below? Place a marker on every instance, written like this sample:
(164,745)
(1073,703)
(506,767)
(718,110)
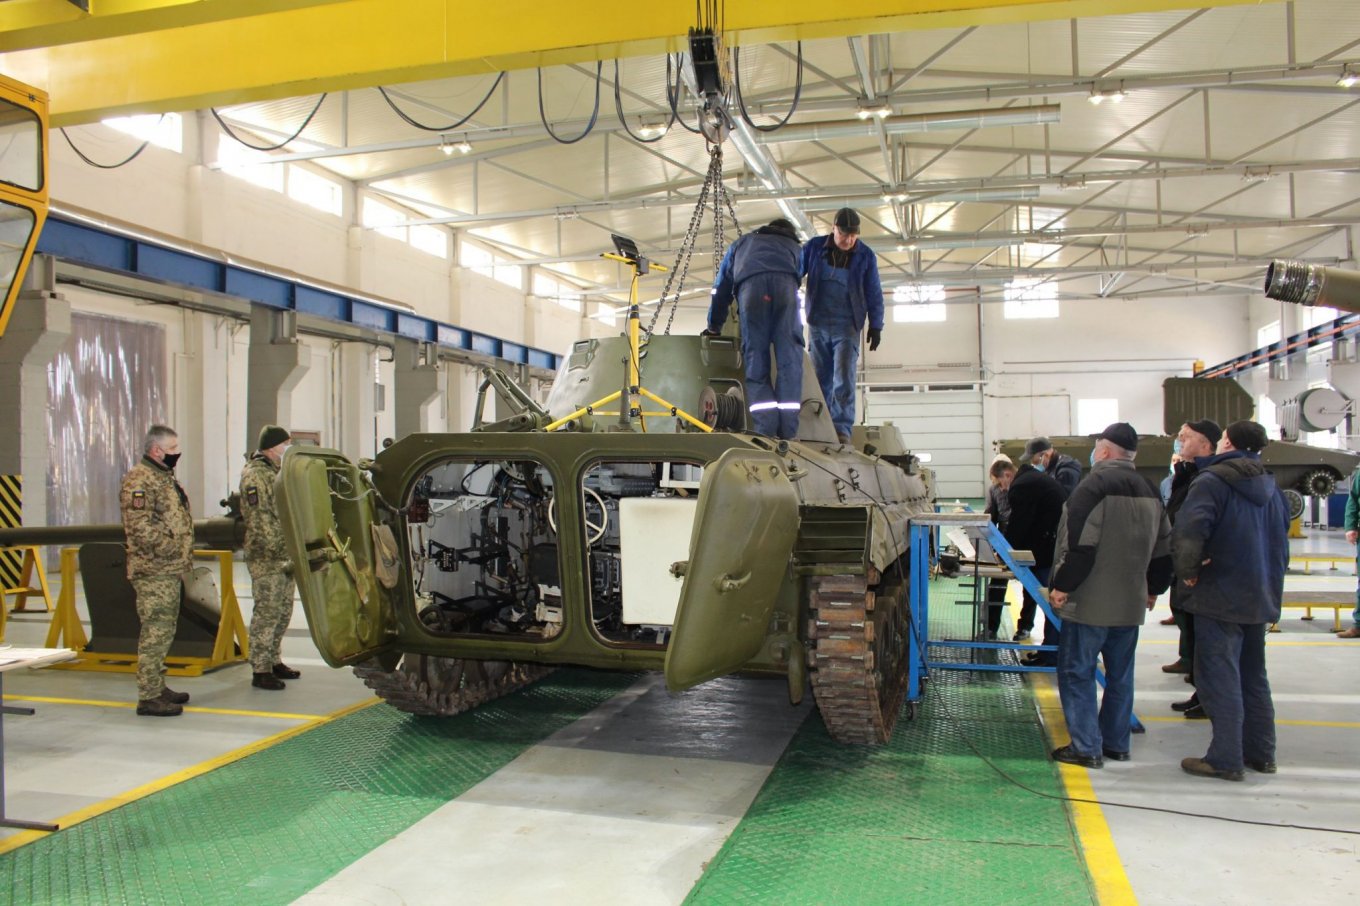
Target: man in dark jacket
(1231,546)
(843,290)
(1113,560)
(1065,470)
(1194,441)
(1036,508)
(761,269)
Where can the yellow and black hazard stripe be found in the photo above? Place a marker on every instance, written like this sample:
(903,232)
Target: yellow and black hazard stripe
(11,516)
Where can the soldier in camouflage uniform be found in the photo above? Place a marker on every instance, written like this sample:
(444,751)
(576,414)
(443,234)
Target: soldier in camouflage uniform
(160,536)
(271,573)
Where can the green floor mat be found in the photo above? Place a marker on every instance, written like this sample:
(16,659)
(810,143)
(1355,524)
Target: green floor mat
(270,827)
(920,820)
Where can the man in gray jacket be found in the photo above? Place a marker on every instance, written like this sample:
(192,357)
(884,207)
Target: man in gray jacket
(1113,559)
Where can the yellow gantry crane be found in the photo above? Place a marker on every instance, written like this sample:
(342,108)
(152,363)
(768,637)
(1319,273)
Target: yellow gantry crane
(23,184)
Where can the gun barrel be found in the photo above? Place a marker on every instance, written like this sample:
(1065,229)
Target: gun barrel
(223,533)
(1313,284)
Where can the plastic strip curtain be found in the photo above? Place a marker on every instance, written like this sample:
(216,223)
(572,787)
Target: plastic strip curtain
(104,389)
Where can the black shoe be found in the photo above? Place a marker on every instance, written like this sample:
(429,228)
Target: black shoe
(1113,755)
(175,698)
(1069,755)
(158,707)
(1263,767)
(1021,635)
(1177,666)
(1201,768)
(283,671)
(267,681)
(1191,702)
(1041,659)
(1196,713)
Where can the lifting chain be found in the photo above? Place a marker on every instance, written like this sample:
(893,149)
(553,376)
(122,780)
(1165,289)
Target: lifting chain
(713,193)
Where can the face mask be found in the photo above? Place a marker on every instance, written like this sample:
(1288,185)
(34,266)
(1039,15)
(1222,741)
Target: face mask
(1093,458)
(1176,445)
(1038,467)
(170,460)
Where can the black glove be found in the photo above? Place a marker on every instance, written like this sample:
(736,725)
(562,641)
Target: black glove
(709,332)
(874,336)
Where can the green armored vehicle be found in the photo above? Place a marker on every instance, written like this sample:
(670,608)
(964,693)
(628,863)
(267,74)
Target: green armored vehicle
(613,529)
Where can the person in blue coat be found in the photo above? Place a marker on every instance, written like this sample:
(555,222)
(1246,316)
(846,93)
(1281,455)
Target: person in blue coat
(843,291)
(1230,544)
(761,269)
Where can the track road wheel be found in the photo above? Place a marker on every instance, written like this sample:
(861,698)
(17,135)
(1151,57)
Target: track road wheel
(1294,500)
(444,686)
(1318,483)
(858,658)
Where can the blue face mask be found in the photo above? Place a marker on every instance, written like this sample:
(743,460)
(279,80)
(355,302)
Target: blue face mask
(1176,445)
(1093,458)
(1038,467)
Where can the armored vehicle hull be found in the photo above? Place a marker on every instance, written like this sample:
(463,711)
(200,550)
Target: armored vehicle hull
(456,567)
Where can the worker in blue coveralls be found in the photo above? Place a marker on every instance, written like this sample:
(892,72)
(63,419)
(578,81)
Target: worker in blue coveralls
(761,270)
(842,291)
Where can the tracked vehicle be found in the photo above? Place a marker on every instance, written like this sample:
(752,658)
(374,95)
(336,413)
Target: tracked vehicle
(625,533)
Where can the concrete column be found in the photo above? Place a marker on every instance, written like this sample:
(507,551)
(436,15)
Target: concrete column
(460,397)
(277,364)
(40,324)
(357,401)
(416,386)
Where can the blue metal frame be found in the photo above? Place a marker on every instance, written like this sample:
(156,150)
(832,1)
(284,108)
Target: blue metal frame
(1342,327)
(919,608)
(106,249)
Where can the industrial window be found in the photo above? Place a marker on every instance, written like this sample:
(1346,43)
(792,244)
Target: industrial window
(606,313)
(1269,334)
(237,160)
(162,130)
(565,295)
(1030,297)
(384,218)
(315,190)
(918,302)
(487,263)
(1095,415)
(430,239)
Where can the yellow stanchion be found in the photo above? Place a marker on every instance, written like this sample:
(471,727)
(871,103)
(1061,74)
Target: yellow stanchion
(1296,528)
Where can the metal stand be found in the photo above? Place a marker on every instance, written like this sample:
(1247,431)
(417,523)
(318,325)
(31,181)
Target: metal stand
(978,525)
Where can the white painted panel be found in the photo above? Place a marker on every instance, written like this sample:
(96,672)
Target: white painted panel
(947,424)
(653,534)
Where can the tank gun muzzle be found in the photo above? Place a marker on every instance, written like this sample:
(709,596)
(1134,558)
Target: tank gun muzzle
(1313,284)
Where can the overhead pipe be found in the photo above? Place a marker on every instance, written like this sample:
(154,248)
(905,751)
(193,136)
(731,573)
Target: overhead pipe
(915,122)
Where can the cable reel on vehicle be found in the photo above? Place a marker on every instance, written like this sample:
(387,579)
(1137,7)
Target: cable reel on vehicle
(723,411)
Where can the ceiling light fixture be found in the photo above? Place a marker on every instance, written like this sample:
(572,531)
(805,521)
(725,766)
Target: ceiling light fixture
(649,128)
(1349,77)
(1113,95)
(868,108)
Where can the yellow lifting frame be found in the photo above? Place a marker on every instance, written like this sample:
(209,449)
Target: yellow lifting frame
(66,630)
(639,266)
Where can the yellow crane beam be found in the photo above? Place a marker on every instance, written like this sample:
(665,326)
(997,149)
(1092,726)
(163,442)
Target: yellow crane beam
(150,56)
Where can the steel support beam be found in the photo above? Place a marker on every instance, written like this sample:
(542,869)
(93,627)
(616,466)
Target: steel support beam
(186,55)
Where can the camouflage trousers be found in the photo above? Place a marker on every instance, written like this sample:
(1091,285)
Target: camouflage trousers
(273,609)
(158,608)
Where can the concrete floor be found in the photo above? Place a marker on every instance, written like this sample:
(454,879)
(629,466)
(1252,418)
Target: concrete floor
(660,793)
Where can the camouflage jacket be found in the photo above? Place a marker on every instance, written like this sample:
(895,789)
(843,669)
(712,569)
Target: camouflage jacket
(156,518)
(265,553)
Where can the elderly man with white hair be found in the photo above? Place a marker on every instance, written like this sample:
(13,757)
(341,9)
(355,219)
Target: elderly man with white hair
(1113,559)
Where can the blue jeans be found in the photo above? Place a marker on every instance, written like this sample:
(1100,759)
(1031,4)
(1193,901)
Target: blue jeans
(1230,677)
(835,356)
(1078,646)
(768,308)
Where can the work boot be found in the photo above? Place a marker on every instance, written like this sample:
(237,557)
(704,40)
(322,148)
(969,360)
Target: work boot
(1196,712)
(1201,768)
(1176,666)
(283,671)
(1069,755)
(1352,633)
(173,697)
(1191,702)
(158,707)
(267,681)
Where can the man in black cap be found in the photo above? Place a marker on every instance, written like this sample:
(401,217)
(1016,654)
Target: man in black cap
(843,291)
(1194,443)
(271,572)
(1231,545)
(761,270)
(1113,560)
(1065,470)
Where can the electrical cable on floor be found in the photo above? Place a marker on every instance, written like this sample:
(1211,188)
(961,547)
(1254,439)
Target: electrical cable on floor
(741,101)
(227,129)
(594,114)
(411,121)
(94,163)
(967,740)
